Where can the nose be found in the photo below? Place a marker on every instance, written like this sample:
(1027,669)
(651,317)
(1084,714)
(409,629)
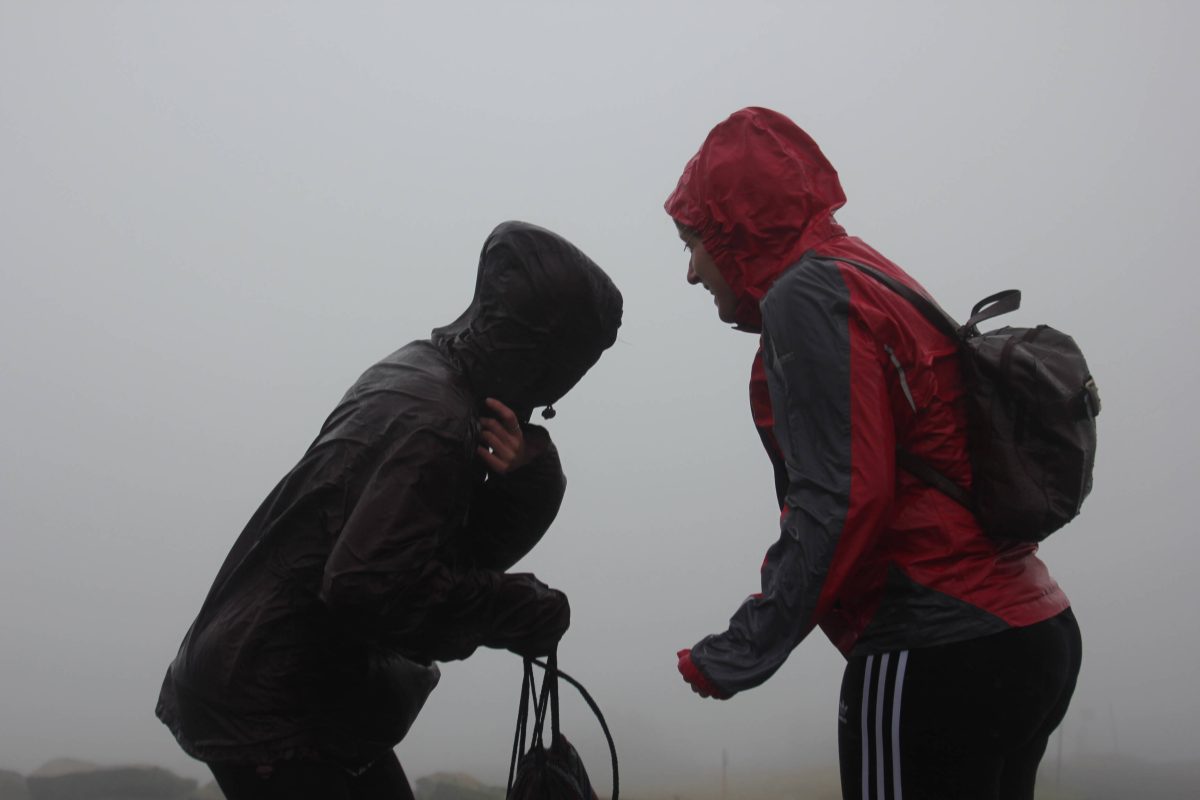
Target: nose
(692,277)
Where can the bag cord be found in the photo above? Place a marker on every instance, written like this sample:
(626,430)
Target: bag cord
(549,698)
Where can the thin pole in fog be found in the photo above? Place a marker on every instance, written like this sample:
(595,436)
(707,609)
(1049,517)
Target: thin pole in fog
(724,774)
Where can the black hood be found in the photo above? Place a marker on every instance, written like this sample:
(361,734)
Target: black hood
(542,314)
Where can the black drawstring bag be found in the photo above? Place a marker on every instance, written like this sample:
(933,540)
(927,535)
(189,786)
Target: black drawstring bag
(555,772)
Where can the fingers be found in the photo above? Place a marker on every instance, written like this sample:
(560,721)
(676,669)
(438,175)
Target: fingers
(503,442)
(505,415)
(500,441)
(493,463)
(498,430)
(500,450)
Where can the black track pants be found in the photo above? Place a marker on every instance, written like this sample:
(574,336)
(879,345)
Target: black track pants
(963,721)
(306,780)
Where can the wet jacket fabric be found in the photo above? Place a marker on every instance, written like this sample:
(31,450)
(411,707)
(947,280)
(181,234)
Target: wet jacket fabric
(847,371)
(385,548)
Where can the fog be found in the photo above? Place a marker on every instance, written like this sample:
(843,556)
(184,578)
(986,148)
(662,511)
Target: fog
(214,216)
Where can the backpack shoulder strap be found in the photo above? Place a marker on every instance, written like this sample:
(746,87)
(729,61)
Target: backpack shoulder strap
(928,308)
(919,467)
(1000,303)
(990,306)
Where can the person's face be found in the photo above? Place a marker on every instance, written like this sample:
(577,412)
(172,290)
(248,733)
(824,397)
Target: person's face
(703,270)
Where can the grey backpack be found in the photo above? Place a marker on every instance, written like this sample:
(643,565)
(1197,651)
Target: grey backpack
(1031,413)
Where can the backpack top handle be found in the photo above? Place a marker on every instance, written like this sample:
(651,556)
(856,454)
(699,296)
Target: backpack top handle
(991,306)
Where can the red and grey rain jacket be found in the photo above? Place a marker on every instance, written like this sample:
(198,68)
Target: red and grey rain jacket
(847,372)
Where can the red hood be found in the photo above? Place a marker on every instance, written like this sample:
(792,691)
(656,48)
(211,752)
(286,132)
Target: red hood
(760,193)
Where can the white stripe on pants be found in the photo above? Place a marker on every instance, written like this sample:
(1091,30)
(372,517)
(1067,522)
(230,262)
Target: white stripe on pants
(874,737)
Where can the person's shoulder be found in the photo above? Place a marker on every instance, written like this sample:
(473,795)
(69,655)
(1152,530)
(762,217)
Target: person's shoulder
(419,378)
(416,387)
(814,278)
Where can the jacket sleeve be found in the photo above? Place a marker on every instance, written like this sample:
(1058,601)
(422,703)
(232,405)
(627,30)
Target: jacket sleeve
(387,576)
(834,426)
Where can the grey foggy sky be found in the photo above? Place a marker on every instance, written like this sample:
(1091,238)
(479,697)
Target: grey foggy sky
(214,216)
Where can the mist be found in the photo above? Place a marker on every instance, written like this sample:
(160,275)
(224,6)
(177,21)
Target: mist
(214,216)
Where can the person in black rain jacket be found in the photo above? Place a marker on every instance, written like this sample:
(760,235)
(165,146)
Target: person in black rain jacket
(386,548)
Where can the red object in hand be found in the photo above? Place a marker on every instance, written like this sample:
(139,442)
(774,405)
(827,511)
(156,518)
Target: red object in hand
(700,684)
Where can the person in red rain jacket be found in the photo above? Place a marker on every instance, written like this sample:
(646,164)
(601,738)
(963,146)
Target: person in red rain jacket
(962,651)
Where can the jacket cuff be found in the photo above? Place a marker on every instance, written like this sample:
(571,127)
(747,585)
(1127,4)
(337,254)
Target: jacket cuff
(692,674)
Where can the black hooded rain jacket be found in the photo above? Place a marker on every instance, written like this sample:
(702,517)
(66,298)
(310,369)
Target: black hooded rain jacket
(386,547)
